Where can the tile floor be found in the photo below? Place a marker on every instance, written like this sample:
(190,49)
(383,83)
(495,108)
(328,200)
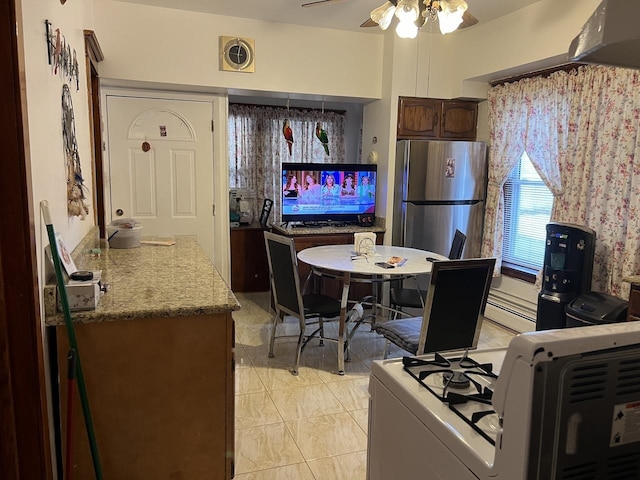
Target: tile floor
(313,426)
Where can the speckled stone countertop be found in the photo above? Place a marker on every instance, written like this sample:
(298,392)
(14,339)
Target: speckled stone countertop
(635,279)
(154,281)
(378,227)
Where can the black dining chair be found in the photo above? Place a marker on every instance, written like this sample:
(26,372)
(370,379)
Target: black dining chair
(401,297)
(453,310)
(310,309)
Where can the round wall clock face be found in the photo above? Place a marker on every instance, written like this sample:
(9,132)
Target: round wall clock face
(237,54)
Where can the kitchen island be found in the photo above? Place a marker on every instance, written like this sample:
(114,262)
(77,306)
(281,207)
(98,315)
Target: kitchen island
(157,358)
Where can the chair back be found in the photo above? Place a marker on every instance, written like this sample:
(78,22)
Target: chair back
(457,245)
(283,270)
(455,304)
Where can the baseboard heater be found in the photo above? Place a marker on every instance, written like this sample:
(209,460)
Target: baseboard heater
(517,316)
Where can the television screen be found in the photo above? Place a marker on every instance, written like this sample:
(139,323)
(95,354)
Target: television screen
(328,191)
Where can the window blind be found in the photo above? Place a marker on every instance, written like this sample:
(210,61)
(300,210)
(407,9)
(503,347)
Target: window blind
(528,204)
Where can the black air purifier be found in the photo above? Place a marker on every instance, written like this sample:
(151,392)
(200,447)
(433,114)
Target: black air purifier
(567,270)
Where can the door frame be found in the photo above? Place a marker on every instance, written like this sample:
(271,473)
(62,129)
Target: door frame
(220,181)
(25,451)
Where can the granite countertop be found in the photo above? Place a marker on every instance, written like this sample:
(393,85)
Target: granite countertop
(154,281)
(378,227)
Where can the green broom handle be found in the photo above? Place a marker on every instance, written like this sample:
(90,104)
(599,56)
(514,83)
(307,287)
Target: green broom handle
(62,291)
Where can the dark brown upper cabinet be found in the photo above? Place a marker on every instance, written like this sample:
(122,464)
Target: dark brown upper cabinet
(435,118)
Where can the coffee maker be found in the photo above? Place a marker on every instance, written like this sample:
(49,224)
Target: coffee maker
(567,271)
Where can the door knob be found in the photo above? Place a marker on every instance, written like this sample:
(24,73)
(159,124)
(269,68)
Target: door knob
(119,212)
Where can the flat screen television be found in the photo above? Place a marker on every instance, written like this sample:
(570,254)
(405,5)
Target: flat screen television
(328,192)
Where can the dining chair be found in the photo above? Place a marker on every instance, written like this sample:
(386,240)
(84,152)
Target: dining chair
(401,297)
(453,310)
(309,309)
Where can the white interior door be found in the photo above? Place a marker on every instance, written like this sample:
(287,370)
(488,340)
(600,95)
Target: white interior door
(161,165)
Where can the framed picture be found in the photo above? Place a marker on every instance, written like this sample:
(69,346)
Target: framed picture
(65,257)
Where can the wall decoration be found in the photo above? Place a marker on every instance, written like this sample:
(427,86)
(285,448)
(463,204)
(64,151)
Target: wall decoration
(288,134)
(321,133)
(61,56)
(76,200)
(237,54)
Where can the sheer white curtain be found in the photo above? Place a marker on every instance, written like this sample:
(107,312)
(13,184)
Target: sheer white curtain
(581,130)
(257,145)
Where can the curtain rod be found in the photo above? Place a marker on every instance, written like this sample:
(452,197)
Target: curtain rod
(341,112)
(537,73)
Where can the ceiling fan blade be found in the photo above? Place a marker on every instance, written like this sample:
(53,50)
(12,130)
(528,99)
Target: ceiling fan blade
(368,23)
(468,20)
(317,3)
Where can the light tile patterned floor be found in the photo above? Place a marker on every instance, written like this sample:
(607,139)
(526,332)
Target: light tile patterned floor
(312,426)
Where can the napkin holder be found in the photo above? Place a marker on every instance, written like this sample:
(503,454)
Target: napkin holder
(364,243)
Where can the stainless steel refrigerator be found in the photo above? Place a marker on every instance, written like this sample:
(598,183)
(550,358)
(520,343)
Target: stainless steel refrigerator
(440,187)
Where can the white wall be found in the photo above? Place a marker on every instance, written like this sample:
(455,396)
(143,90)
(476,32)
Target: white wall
(43,92)
(170,46)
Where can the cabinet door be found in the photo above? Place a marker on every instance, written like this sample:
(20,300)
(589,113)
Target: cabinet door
(418,117)
(249,267)
(459,120)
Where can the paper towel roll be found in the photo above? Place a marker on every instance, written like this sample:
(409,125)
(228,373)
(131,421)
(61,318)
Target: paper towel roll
(364,243)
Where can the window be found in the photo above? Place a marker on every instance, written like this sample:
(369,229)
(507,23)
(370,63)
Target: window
(528,204)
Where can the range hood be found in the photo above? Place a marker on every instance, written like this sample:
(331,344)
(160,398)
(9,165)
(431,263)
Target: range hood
(611,36)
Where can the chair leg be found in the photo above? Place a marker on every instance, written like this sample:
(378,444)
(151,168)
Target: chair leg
(274,326)
(296,364)
(299,347)
(321,336)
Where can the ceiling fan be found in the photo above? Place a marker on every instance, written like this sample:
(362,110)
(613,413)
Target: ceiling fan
(428,10)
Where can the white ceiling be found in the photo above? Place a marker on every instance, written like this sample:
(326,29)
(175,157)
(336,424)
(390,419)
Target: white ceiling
(340,15)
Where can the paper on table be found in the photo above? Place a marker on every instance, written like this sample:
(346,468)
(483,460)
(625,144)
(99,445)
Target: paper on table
(397,261)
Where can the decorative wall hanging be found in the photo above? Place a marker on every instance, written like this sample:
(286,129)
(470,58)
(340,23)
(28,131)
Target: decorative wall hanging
(237,54)
(76,204)
(61,57)
(288,134)
(322,136)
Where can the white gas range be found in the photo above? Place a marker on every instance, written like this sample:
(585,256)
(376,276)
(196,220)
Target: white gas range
(556,404)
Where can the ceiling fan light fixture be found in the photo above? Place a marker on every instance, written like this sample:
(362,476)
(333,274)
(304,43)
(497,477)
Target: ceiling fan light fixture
(407,29)
(407,10)
(383,15)
(450,15)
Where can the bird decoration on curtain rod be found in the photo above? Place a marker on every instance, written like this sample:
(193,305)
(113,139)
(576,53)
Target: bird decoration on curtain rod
(288,134)
(413,14)
(322,136)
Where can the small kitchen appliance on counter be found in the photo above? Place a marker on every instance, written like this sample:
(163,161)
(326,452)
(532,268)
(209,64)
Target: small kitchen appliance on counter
(124,233)
(556,404)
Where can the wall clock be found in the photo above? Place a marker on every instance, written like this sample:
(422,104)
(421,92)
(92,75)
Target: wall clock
(237,54)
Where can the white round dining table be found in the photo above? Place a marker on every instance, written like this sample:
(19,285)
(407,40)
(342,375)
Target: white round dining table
(341,261)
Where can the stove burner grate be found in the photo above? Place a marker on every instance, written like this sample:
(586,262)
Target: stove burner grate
(457,373)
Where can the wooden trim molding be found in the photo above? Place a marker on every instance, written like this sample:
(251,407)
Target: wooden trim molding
(25,451)
(92,57)
(93,46)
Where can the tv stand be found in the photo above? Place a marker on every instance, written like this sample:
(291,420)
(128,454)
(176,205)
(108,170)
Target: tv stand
(327,223)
